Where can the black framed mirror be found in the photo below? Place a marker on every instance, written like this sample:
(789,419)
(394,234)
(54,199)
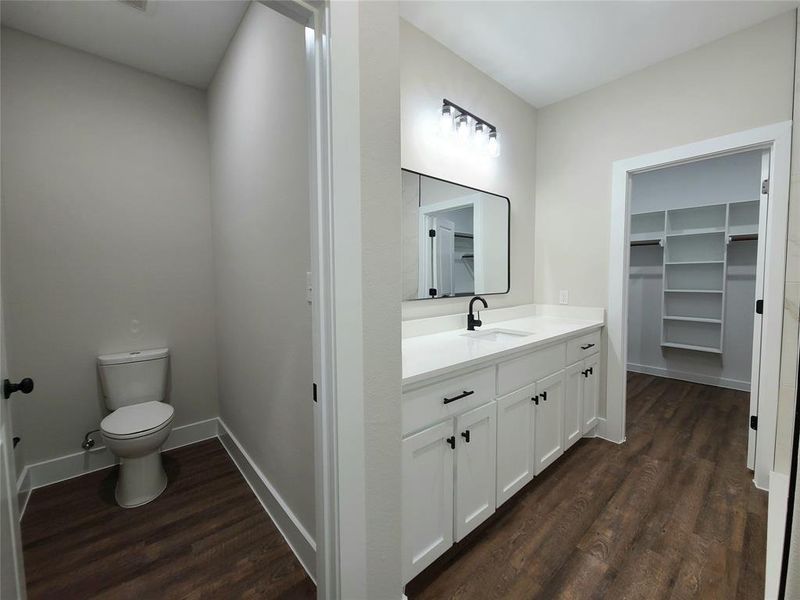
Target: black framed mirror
(456,239)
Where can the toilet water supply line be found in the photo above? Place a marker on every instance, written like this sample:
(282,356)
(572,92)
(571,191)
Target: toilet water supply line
(88,441)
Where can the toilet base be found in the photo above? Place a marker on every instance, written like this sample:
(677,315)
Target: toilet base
(141,480)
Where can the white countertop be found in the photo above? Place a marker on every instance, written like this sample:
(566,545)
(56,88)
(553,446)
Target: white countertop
(434,355)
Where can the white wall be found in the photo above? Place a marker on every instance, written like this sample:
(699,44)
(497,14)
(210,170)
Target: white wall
(106,235)
(260,199)
(430,72)
(715,181)
(701,94)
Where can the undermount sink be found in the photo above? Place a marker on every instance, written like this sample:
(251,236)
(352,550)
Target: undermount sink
(497,334)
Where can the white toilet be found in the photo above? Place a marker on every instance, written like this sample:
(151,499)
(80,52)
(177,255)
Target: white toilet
(134,385)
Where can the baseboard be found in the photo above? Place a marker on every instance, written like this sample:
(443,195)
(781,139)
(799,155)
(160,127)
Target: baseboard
(299,540)
(23,490)
(80,463)
(776,526)
(724,382)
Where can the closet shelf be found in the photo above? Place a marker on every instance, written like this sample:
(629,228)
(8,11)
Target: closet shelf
(695,262)
(704,231)
(694,319)
(691,347)
(692,291)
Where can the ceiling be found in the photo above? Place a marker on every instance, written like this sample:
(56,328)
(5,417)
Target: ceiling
(548,51)
(183,41)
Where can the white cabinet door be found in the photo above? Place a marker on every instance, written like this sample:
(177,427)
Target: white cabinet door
(573,404)
(549,421)
(427,497)
(591,391)
(515,414)
(476,464)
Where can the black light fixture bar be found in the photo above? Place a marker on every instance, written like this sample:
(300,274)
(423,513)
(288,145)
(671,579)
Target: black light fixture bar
(463,111)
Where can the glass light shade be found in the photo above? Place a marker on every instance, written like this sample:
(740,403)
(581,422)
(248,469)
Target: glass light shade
(481,138)
(462,128)
(493,146)
(446,120)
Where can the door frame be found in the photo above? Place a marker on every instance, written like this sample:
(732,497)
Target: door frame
(776,138)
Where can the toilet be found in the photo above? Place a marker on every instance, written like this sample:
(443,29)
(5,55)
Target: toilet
(134,385)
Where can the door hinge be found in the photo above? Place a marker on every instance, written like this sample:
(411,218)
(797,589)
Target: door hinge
(754,422)
(431,233)
(759,307)
(765,186)
(314,392)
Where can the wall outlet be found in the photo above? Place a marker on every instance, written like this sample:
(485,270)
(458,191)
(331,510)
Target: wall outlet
(563,297)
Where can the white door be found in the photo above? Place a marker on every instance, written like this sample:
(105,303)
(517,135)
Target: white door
(12,578)
(445,256)
(573,404)
(757,318)
(476,463)
(591,391)
(427,497)
(549,421)
(515,414)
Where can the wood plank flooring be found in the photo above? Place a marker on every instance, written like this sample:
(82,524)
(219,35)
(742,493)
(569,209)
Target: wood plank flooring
(672,513)
(206,536)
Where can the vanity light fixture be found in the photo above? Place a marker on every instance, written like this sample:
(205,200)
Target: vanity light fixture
(469,126)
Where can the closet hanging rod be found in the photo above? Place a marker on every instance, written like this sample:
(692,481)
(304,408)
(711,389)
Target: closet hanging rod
(646,243)
(745,237)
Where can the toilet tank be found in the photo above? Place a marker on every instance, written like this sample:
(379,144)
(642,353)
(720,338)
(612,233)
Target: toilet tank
(133,377)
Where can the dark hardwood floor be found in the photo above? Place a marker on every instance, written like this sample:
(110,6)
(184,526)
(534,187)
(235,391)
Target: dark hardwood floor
(206,536)
(672,513)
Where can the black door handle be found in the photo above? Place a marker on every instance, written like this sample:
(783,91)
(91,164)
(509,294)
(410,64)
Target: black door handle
(585,373)
(535,400)
(452,441)
(465,435)
(587,346)
(463,394)
(544,396)
(25,386)
(591,370)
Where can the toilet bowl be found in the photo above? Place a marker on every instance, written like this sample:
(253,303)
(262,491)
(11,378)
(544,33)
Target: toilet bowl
(134,384)
(135,434)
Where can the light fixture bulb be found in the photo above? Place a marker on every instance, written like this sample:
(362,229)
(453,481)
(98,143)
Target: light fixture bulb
(481,138)
(493,146)
(446,120)
(462,128)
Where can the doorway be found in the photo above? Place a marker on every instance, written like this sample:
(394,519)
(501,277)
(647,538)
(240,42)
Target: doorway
(775,140)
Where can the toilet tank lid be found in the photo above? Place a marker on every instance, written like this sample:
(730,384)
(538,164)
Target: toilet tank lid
(135,356)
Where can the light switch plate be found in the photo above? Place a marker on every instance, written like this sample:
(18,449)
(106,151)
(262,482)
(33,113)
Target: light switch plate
(563,297)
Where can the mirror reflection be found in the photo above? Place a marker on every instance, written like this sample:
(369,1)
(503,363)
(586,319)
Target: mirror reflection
(455,239)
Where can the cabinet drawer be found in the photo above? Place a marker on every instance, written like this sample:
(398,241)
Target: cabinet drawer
(519,372)
(581,347)
(445,399)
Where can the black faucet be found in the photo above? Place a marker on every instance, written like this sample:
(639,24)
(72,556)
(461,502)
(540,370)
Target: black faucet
(472,322)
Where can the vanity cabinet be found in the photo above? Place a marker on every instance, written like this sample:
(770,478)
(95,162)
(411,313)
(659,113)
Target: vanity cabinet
(473,440)
(516,416)
(549,422)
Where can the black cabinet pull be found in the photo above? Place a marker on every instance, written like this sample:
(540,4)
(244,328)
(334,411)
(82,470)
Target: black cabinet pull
(535,399)
(587,346)
(452,441)
(544,396)
(25,386)
(465,435)
(585,373)
(463,394)
(590,369)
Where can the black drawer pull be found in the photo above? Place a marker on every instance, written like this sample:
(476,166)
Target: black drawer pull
(544,396)
(465,435)
(585,373)
(535,399)
(452,441)
(463,394)
(587,346)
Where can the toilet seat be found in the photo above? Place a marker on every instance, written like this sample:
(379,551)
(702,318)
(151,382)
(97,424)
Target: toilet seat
(137,420)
